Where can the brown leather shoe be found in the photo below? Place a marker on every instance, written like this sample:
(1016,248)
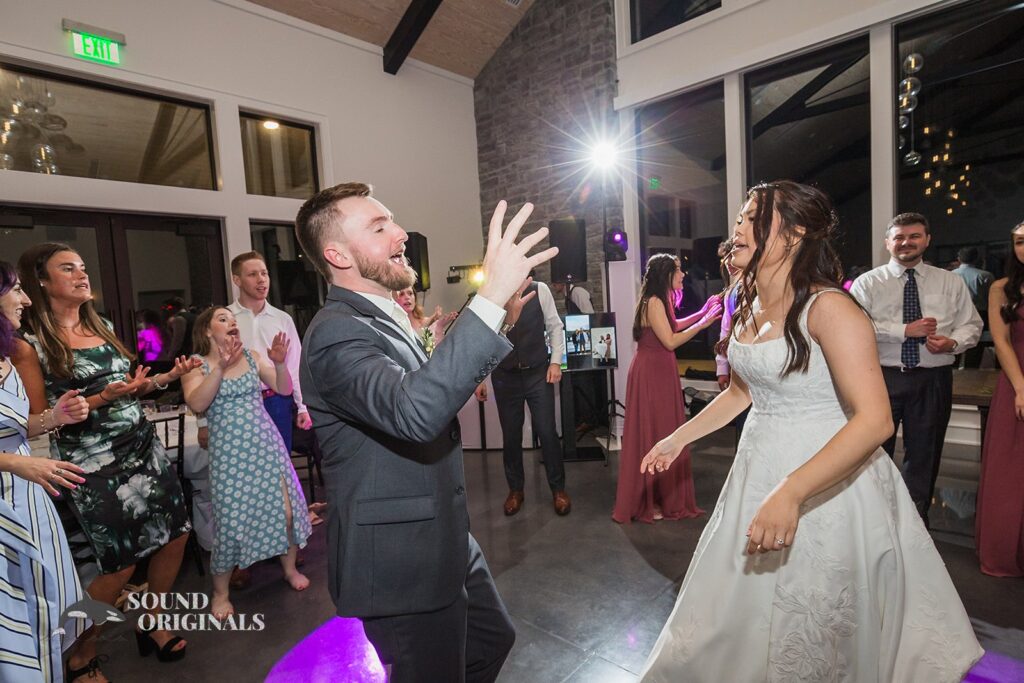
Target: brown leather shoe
(513,503)
(240,579)
(562,503)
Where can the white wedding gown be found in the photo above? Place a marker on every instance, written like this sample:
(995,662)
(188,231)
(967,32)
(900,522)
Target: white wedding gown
(861,595)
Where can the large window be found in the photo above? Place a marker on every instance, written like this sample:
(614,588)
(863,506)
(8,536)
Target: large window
(682,192)
(808,120)
(650,17)
(960,93)
(280,157)
(60,126)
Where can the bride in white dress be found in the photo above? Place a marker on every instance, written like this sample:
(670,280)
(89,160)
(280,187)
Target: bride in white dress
(814,565)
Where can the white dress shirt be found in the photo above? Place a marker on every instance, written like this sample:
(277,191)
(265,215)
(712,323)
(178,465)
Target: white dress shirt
(258,331)
(489,312)
(581,298)
(943,296)
(554,330)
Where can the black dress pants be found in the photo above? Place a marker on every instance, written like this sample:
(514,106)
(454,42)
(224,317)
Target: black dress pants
(466,641)
(512,390)
(922,400)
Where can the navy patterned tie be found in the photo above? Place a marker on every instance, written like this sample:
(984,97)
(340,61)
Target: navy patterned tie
(910,354)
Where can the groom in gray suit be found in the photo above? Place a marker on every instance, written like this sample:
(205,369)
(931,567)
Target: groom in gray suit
(400,555)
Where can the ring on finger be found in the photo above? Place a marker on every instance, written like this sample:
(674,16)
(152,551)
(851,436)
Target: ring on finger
(758,547)
(780,541)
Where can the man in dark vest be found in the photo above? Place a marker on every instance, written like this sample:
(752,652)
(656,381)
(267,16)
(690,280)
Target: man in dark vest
(525,377)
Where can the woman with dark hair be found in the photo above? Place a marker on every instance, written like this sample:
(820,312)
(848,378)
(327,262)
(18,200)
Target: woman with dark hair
(654,399)
(859,592)
(131,505)
(253,513)
(37,572)
(1000,517)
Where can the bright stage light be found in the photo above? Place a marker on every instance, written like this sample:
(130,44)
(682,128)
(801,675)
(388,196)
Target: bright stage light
(603,155)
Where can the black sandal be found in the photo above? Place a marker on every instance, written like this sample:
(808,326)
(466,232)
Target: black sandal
(167,653)
(88,670)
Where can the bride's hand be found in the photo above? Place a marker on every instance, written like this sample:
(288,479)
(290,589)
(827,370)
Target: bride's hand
(774,524)
(661,456)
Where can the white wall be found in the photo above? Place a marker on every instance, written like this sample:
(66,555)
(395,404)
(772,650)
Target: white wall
(411,135)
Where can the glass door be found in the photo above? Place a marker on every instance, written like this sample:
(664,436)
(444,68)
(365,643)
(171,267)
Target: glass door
(87,233)
(167,267)
(140,266)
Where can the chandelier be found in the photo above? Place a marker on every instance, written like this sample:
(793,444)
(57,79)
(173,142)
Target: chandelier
(31,134)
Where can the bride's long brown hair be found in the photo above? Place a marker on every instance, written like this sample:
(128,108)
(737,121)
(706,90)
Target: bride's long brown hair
(815,263)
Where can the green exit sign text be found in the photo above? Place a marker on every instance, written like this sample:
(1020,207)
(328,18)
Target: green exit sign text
(97,49)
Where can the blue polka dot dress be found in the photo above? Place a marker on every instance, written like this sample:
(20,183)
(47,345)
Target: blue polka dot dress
(248,462)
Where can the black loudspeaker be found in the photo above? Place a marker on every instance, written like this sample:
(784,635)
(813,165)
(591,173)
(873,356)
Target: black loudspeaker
(570,236)
(416,252)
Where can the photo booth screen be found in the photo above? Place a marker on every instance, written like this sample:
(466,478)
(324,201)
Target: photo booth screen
(590,342)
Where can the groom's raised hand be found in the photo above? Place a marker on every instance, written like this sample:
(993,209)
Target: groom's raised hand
(507,264)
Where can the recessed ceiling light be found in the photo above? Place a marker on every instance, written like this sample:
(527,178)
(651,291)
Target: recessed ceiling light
(271,125)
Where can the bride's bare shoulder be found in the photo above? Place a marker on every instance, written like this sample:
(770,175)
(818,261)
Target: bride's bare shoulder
(834,309)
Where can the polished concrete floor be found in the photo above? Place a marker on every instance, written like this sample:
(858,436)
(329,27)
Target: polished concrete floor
(588,596)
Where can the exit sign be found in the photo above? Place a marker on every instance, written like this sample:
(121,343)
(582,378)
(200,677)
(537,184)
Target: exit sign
(94,48)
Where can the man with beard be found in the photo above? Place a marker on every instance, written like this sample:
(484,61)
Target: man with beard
(400,556)
(923,316)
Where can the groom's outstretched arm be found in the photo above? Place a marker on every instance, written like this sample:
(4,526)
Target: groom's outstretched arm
(363,384)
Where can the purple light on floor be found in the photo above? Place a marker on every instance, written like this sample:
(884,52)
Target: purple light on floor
(996,668)
(337,651)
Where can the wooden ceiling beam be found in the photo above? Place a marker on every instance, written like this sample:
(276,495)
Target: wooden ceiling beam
(408,31)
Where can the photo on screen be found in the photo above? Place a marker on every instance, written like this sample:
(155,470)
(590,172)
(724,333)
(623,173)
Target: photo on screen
(590,342)
(604,346)
(577,335)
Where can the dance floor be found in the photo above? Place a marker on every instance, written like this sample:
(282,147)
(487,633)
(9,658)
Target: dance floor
(586,616)
(338,651)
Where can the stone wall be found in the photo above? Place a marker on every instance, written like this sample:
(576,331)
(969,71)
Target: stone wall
(545,94)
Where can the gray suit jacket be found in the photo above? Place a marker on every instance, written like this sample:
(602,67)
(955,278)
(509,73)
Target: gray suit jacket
(385,419)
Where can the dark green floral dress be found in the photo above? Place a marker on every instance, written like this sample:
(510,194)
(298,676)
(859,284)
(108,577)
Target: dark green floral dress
(131,503)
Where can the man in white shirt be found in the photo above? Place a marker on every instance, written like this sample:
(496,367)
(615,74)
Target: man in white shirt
(923,316)
(525,377)
(258,323)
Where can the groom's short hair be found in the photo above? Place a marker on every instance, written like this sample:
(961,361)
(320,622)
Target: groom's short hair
(316,219)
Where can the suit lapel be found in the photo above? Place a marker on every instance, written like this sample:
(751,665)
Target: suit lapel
(381,322)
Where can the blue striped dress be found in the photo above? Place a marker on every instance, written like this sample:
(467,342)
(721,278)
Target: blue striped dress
(37,575)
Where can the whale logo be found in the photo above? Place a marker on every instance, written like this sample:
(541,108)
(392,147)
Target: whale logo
(87,608)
